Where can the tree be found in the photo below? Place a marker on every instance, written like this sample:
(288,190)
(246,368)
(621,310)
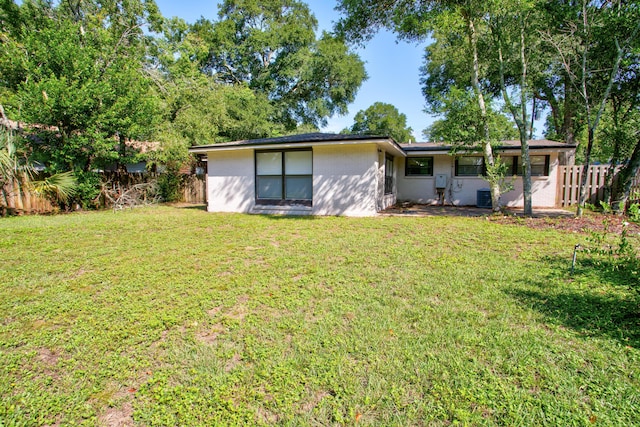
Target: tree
(382,119)
(621,128)
(199,109)
(271,47)
(510,29)
(414,21)
(461,124)
(78,67)
(205,112)
(596,37)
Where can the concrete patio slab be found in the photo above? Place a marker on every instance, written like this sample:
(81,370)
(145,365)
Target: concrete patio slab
(470,211)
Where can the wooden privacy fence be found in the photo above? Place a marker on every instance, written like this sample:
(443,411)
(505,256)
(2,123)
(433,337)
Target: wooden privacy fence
(193,187)
(16,197)
(20,199)
(569,185)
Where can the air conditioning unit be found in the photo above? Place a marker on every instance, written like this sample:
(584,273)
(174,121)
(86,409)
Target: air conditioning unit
(483,199)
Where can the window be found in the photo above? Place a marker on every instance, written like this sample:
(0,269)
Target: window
(511,163)
(388,175)
(539,165)
(469,166)
(419,166)
(284,177)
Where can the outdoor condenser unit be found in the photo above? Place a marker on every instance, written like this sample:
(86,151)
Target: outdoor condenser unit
(483,199)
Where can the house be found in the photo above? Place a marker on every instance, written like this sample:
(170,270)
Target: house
(460,176)
(359,175)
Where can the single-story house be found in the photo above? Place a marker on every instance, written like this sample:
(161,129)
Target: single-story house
(360,175)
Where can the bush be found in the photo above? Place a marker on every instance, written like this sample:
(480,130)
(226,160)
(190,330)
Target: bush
(614,253)
(87,190)
(169,186)
(634,212)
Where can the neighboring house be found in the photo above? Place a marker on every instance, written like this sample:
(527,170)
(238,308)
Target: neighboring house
(357,175)
(132,148)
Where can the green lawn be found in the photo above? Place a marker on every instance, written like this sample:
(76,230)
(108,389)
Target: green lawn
(167,316)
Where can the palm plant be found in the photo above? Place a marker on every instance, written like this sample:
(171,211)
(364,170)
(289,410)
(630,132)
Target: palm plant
(17,174)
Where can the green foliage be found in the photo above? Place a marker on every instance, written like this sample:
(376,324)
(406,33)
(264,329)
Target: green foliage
(201,111)
(87,190)
(169,316)
(169,186)
(80,73)
(617,136)
(462,121)
(634,212)
(499,172)
(59,187)
(271,46)
(614,253)
(15,166)
(383,120)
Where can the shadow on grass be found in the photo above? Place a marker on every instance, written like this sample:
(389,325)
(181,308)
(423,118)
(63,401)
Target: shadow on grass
(196,207)
(595,301)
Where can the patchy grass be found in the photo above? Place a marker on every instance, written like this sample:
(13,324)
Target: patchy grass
(167,316)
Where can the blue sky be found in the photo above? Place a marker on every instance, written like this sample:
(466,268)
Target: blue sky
(393,67)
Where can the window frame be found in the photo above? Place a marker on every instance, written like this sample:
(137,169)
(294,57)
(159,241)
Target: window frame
(483,171)
(545,171)
(283,201)
(516,165)
(406,166)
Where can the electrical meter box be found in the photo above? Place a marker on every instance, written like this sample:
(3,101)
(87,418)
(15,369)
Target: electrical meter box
(441,181)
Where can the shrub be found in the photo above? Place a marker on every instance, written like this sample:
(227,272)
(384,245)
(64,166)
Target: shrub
(634,212)
(87,190)
(169,186)
(614,253)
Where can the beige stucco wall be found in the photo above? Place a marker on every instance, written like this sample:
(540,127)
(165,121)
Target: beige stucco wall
(347,180)
(230,181)
(462,191)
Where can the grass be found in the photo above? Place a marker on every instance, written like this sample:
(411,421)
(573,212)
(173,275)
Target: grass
(167,316)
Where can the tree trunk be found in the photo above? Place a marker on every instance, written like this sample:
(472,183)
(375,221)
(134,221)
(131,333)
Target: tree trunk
(524,143)
(625,178)
(4,120)
(487,151)
(122,152)
(582,198)
(4,200)
(519,117)
(609,181)
(567,124)
(526,174)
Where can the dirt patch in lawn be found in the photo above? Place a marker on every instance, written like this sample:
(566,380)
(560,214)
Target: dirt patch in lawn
(118,417)
(543,218)
(588,223)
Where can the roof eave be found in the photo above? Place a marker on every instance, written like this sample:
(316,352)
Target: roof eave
(384,142)
(447,150)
